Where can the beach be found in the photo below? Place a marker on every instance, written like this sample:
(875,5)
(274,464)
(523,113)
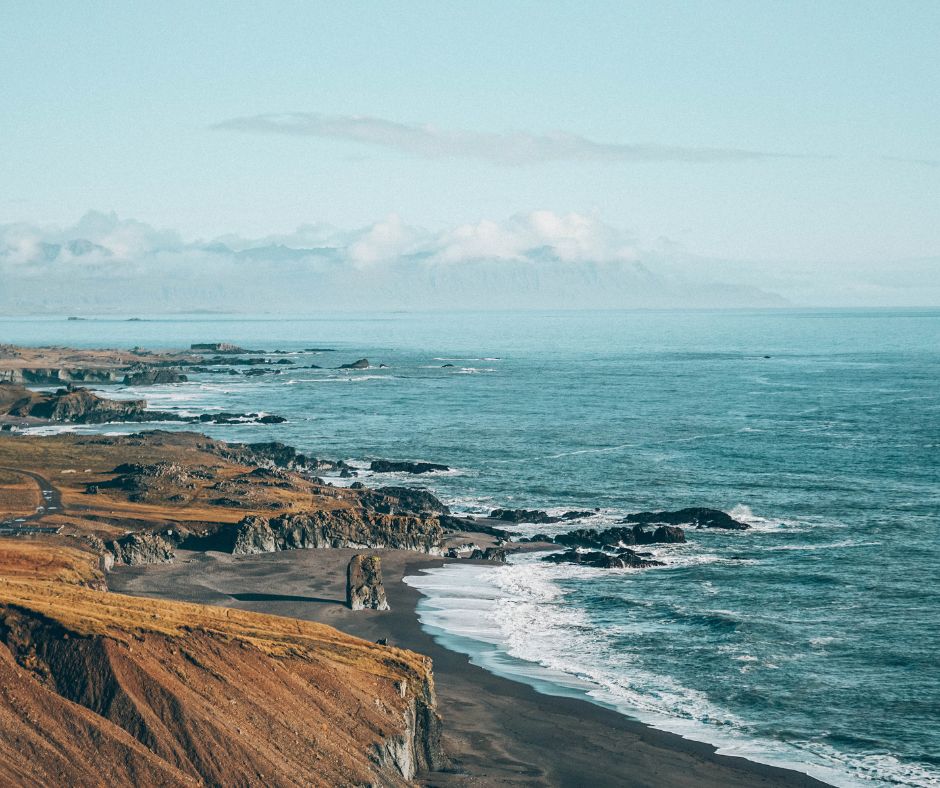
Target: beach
(496,731)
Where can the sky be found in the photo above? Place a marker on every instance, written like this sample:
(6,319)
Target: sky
(789,137)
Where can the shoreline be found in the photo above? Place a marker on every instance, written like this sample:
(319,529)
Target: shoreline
(497,731)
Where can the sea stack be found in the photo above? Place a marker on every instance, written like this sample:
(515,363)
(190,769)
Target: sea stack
(364,589)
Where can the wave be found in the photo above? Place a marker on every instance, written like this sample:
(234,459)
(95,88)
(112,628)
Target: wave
(517,621)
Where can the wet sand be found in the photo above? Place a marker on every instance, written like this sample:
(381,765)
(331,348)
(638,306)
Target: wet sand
(498,732)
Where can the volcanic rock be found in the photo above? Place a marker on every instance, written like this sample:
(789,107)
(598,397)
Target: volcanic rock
(364,589)
(699,517)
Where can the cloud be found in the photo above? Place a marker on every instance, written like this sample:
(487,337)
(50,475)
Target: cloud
(542,259)
(517,148)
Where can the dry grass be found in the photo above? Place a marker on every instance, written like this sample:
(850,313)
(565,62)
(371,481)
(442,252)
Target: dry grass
(19,494)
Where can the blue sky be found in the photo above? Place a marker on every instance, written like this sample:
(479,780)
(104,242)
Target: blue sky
(117,107)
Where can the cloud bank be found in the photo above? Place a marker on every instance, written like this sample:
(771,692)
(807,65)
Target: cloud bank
(541,260)
(519,148)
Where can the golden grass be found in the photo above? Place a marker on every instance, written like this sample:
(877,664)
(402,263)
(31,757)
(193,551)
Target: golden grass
(19,494)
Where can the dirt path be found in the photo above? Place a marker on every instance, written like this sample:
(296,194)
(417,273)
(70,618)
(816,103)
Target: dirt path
(51,502)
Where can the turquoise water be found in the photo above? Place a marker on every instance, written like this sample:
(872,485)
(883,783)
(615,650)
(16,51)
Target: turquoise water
(811,639)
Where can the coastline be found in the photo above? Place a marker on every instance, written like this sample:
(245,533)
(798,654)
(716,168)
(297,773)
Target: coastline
(496,730)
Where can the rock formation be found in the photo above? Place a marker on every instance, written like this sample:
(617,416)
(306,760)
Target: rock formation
(153,376)
(364,589)
(523,516)
(355,528)
(698,517)
(404,466)
(623,559)
(616,537)
(362,363)
(142,547)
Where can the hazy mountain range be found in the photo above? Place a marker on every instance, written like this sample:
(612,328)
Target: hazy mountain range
(104,264)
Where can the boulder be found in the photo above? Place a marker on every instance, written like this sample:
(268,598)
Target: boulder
(364,589)
(362,363)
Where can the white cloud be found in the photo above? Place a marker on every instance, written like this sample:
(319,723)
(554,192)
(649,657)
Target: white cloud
(540,259)
(515,148)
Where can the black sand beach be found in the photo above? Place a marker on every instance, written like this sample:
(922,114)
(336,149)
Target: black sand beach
(497,731)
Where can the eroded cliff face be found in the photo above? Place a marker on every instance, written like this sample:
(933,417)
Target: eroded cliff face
(357,528)
(101,689)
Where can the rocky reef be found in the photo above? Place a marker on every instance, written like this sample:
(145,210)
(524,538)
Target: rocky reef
(364,589)
(697,517)
(405,466)
(622,559)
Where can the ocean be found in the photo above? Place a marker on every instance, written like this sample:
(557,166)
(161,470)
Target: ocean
(810,640)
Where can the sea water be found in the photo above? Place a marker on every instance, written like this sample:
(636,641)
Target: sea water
(810,640)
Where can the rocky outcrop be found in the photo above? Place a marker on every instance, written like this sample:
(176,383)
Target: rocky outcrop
(217,347)
(473,526)
(398,500)
(76,405)
(355,528)
(272,454)
(141,548)
(362,363)
(523,516)
(59,376)
(616,537)
(153,376)
(364,589)
(698,517)
(404,466)
(81,406)
(157,482)
(497,554)
(622,559)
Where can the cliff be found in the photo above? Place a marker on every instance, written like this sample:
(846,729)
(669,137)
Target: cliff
(98,688)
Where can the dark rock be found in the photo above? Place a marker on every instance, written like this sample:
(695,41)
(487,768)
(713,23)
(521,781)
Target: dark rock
(624,559)
(364,589)
(393,500)
(347,473)
(392,466)
(614,537)
(270,419)
(576,515)
(469,525)
(362,363)
(445,366)
(323,529)
(497,554)
(217,347)
(154,376)
(523,516)
(696,516)
(76,405)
